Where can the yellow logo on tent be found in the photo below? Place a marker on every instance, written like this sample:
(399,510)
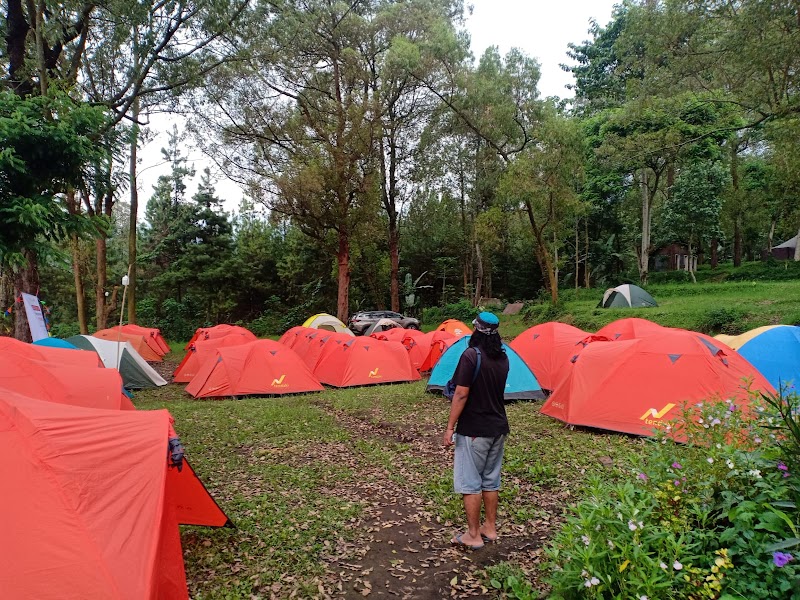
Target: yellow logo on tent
(656,415)
(374,374)
(279,382)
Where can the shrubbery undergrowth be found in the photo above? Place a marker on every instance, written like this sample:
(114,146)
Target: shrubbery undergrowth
(715,517)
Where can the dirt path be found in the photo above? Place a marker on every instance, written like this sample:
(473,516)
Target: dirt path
(403,552)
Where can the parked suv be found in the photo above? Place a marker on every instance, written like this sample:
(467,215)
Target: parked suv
(360,321)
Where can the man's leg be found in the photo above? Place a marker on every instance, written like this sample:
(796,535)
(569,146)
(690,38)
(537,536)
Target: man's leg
(489,527)
(472,506)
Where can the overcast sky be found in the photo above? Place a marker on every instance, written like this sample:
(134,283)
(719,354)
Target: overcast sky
(542,28)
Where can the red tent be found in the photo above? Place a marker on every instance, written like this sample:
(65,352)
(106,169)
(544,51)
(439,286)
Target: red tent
(263,367)
(311,346)
(202,350)
(395,334)
(364,361)
(218,331)
(454,326)
(48,354)
(425,350)
(66,384)
(87,512)
(547,348)
(291,337)
(629,329)
(634,385)
(151,333)
(138,341)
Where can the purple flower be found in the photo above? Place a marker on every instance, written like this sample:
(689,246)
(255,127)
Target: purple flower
(732,408)
(676,465)
(781,558)
(782,466)
(642,476)
(676,482)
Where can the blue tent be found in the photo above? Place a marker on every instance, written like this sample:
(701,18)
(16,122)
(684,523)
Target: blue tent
(520,385)
(54,342)
(776,354)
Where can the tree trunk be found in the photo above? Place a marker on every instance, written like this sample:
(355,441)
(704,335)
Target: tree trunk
(691,264)
(737,241)
(586,262)
(479,278)
(737,218)
(714,253)
(577,254)
(80,292)
(771,235)
(644,255)
(133,216)
(394,259)
(100,288)
(26,279)
(343,261)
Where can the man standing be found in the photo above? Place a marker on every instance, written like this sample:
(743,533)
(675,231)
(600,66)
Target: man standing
(478,417)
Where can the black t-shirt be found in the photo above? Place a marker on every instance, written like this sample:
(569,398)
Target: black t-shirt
(484,414)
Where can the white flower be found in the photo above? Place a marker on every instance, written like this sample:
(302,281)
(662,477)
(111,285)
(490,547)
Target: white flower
(719,445)
(610,544)
(595,581)
(705,425)
(699,420)
(677,566)
(663,566)
(584,573)
(754,473)
(730,464)
(643,597)
(632,526)
(585,539)
(710,460)
(716,422)
(757,440)
(641,525)
(619,516)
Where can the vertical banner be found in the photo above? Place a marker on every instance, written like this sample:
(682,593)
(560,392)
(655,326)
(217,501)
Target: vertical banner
(35,317)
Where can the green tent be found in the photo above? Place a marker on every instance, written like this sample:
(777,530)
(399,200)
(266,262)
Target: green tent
(134,370)
(626,296)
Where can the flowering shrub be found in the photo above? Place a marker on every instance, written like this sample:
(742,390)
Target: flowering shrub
(716,516)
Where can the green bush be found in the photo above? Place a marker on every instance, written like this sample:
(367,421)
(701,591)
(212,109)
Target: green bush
(536,313)
(723,320)
(462,310)
(715,517)
(64,330)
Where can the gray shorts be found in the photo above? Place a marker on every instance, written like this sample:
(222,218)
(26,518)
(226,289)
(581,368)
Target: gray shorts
(477,464)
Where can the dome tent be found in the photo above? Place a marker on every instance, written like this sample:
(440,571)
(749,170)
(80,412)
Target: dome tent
(547,348)
(218,331)
(202,350)
(774,350)
(520,385)
(627,296)
(327,322)
(454,326)
(629,329)
(263,368)
(134,370)
(632,386)
(364,361)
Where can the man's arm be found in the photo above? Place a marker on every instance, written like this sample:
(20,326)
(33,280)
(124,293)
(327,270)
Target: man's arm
(456,406)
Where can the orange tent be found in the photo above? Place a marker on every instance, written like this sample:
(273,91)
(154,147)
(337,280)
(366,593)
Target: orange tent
(396,334)
(291,337)
(426,349)
(218,331)
(629,329)
(547,348)
(454,326)
(150,333)
(364,361)
(48,354)
(139,343)
(202,350)
(263,367)
(634,386)
(66,384)
(87,512)
(311,346)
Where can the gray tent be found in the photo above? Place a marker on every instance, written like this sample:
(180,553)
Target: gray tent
(134,370)
(381,325)
(626,296)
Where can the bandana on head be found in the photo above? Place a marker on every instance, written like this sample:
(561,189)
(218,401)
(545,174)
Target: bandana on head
(486,323)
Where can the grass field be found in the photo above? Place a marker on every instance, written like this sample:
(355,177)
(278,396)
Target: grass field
(347,493)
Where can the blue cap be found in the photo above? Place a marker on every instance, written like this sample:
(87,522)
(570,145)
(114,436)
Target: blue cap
(486,322)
